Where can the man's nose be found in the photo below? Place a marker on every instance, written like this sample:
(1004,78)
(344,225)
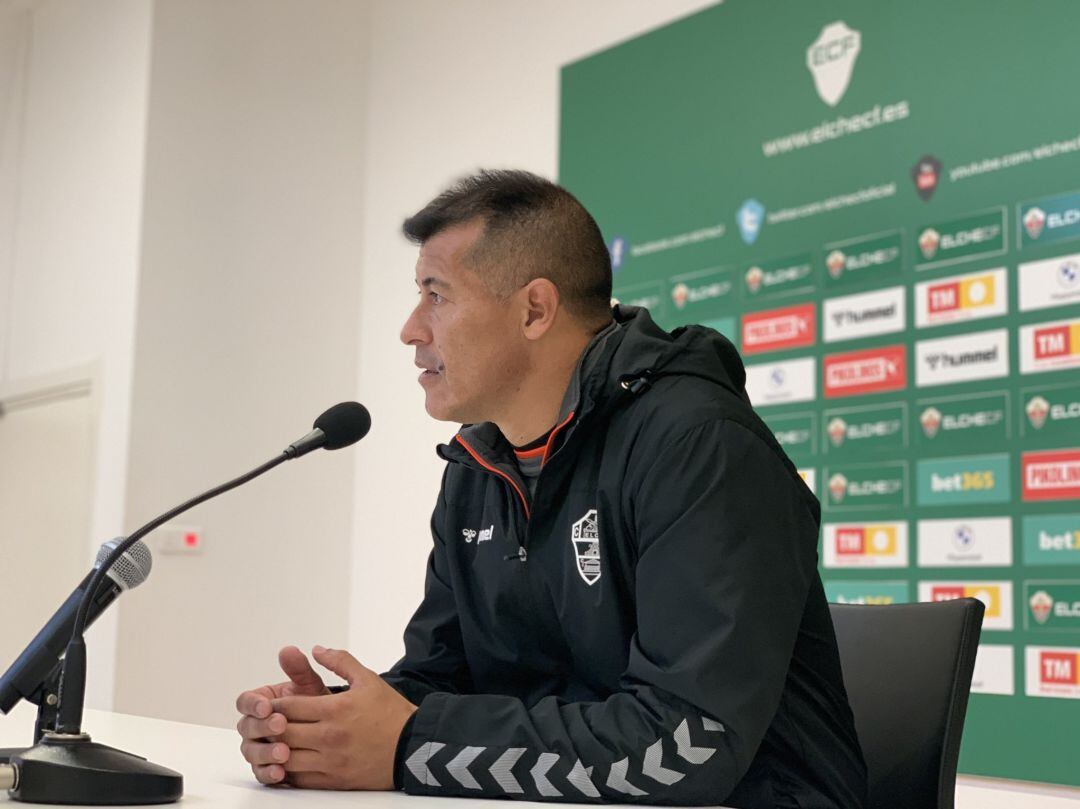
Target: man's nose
(414,332)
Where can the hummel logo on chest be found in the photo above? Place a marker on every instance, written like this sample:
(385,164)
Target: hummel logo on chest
(485,534)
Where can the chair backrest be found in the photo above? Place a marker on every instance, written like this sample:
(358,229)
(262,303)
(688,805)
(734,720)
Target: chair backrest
(907,670)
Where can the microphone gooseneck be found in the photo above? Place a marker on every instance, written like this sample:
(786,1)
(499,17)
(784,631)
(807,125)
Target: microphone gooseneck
(340,426)
(73,681)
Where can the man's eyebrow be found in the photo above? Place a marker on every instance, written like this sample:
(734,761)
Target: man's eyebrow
(434,282)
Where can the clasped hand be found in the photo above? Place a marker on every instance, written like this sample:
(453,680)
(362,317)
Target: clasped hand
(297,732)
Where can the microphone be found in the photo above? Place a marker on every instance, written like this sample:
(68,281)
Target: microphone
(33,667)
(65,766)
(340,426)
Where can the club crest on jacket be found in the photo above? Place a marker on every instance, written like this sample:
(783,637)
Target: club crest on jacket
(585,537)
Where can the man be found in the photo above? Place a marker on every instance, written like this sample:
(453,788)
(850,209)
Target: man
(622,601)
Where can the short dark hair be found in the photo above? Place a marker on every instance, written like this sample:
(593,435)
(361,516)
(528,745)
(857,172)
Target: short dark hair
(533,228)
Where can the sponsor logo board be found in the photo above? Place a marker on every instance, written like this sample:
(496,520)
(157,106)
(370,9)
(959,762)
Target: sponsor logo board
(865,259)
(1052,606)
(782,382)
(965,542)
(962,422)
(778,329)
(867,592)
(962,358)
(1052,671)
(795,432)
(702,295)
(879,428)
(1052,539)
(1050,282)
(866,486)
(778,277)
(1051,346)
(964,480)
(1050,219)
(961,297)
(994,669)
(1053,412)
(863,315)
(869,544)
(961,239)
(648,296)
(996,596)
(1051,474)
(873,370)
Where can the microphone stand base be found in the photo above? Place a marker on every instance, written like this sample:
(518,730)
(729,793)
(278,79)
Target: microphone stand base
(75,770)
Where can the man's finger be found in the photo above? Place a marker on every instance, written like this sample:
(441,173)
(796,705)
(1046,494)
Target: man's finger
(306,761)
(251,728)
(263,752)
(312,780)
(305,709)
(256,702)
(298,668)
(269,773)
(304,736)
(342,663)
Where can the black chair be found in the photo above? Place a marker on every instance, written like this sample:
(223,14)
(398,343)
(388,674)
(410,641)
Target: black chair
(907,669)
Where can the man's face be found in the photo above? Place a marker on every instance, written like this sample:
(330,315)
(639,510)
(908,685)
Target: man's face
(468,342)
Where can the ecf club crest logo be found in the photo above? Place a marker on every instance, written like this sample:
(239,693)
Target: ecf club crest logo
(831,60)
(585,538)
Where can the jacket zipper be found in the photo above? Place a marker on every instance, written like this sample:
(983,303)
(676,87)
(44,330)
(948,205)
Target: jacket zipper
(499,472)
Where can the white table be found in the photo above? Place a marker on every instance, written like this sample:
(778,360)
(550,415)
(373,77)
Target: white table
(215,775)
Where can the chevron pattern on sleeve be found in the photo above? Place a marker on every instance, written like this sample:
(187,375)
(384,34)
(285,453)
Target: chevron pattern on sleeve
(639,775)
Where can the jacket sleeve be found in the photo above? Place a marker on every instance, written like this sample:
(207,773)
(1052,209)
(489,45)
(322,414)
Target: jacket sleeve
(726,546)
(434,658)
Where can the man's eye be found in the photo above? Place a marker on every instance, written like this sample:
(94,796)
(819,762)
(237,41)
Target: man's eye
(435,297)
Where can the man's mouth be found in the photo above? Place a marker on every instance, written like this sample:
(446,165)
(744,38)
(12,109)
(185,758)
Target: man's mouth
(428,371)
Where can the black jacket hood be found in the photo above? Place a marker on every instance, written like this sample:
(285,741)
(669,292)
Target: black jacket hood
(640,352)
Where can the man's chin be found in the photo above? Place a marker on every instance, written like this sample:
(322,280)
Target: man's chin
(438,410)
(446,411)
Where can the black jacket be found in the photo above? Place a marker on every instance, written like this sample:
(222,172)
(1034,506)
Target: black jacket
(651,626)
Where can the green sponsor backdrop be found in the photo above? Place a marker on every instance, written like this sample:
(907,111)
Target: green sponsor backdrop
(742,160)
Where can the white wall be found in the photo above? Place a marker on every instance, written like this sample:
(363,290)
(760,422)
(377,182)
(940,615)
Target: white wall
(452,87)
(287,139)
(246,332)
(72,180)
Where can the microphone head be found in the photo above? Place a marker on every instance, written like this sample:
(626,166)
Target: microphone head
(133,566)
(343,424)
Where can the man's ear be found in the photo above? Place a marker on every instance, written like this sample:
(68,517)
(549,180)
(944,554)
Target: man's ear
(539,304)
